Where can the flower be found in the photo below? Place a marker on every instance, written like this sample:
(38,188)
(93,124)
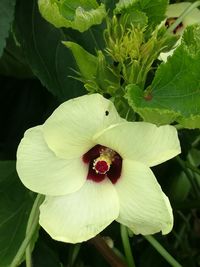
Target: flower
(93,167)
(172,13)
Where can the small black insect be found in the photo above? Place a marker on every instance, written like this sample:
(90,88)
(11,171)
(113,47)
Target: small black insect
(106,112)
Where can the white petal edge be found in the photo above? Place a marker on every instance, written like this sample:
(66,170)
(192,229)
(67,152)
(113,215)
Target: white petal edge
(42,171)
(164,55)
(69,130)
(141,141)
(175,10)
(144,208)
(82,215)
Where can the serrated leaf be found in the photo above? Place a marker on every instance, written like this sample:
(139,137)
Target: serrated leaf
(154,10)
(7,8)
(15,205)
(175,91)
(79,15)
(134,18)
(49,60)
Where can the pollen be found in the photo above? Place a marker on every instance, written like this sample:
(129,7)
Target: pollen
(102,164)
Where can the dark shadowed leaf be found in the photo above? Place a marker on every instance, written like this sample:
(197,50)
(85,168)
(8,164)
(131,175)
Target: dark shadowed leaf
(15,205)
(49,60)
(7,8)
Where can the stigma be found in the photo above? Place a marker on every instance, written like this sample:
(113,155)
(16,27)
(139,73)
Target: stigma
(103,163)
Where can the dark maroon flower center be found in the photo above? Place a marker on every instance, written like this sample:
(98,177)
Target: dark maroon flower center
(103,162)
(170,21)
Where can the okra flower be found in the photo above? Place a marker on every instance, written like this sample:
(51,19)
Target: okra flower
(93,167)
(172,13)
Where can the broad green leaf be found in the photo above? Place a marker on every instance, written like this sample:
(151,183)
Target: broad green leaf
(13,62)
(15,205)
(49,60)
(7,8)
(179,187)
(134,18)
(154,10)
(175,91)
(86,62)
(79,14)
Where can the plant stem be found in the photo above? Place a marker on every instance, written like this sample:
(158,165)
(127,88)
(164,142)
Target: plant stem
(192,168)
(162,251)
(113,259)
(30,230)
(183,14)
(28,256)
(126,245)
(74,254)
(33,220)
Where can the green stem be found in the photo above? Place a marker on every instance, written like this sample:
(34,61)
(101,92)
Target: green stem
(28,256)
(31,227)
(162,251)
(33,220)
(181,17)
(126,245)
(196,141)
(113,259)
(192,168)
(74,254)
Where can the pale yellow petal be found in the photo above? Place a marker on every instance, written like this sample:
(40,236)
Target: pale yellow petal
(144,208)
(80,216)
(141,141)
(42,171)
(69,130)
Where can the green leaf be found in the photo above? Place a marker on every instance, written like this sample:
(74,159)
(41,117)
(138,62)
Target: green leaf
(79,14)
(86,62)
(191,39)
(15,205)
(49,60)
(13,62)
(68,8)
(7,8)
(94,72)
(179,187)
(135,18)
(107,78)
(154,10)
(175,91)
